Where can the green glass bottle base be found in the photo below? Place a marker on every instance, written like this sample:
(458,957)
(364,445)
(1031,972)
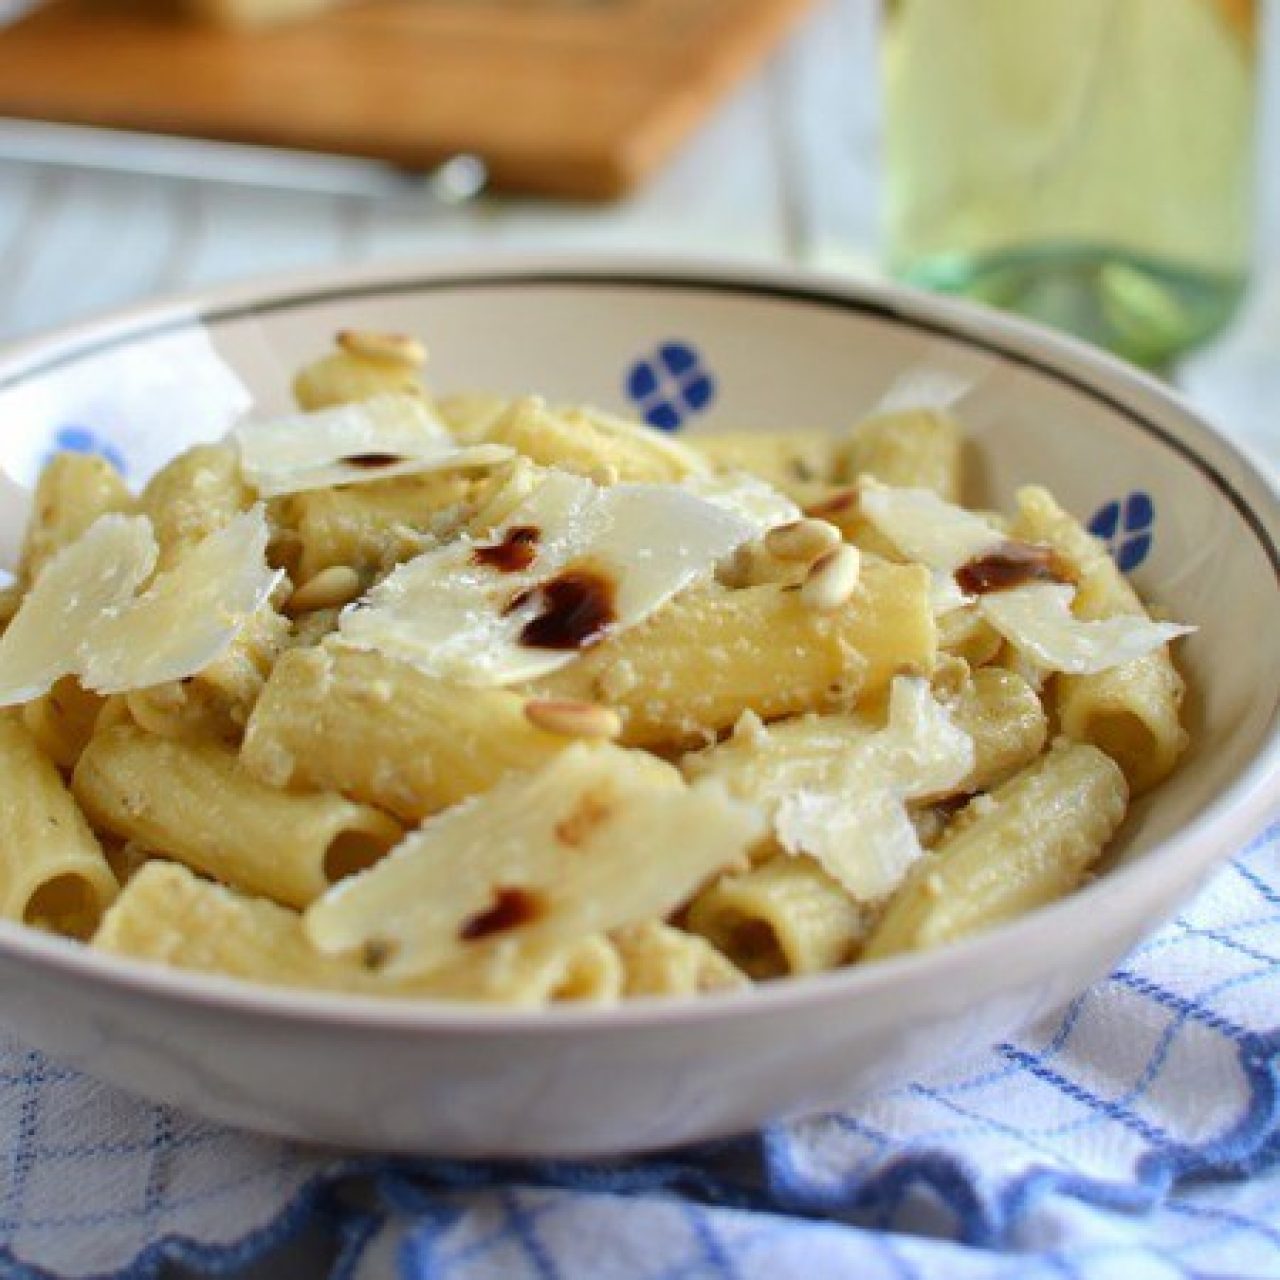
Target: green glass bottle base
(1146,311)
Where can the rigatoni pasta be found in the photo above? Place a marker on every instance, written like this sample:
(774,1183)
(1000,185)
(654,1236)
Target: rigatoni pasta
(364,365)
(800,464)
(63,720)
(590,443)
(52,870)
(1004,718)
(695,667)
(918,448)
(660,960)
(367,528)
(496,700)
(334,719)
(190,500)
(195,802)
(785,916)
(1026,844)
(74,489)
(169,915)
(1132,711)
(196,494)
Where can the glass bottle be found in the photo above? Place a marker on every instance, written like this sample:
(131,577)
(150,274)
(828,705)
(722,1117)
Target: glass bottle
(1087,163)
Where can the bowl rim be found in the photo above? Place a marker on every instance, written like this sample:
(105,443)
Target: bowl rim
(1233,815)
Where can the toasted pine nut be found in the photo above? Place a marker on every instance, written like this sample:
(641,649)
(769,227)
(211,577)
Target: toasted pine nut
(950,674)
(337,585)
(751,565)
(833,579)
(395,348)
(804,540)
(736,569)
(838,503)
(605,475)
(570,719)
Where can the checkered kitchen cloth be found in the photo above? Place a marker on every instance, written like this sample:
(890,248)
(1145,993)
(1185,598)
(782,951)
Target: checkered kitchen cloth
(1135,1136)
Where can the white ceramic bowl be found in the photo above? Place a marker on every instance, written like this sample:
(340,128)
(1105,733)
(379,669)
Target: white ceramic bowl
(708,346)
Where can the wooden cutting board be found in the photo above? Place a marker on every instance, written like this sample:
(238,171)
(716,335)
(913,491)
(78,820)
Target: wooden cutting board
(561,97)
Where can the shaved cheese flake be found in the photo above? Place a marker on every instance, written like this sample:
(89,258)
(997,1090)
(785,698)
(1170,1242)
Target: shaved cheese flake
(598,838)
(460,611)
(1037,619)
(100,571)
(925,528)
(83,616)
(921,752)
(376,439)
(864,840)
(859,830)
(188,616)
(768,764)
(744,495)
(836,788)
(945,595)
(15,510)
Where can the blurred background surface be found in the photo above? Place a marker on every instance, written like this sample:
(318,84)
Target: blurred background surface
(784,166)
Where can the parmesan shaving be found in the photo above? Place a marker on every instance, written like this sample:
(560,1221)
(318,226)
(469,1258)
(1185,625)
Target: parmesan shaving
(858,829)
(15,511)
(1037,620)
(83,616)
(388,435)
(945,595)
(836,789)
(863,839)
(744,495)
(453,615)
(921,753)
(923,527)
(187,617)
(599,838)
(97,573)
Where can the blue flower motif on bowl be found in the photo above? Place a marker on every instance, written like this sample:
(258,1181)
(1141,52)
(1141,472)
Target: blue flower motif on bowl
(670,385)
(1127,526)
(73,438)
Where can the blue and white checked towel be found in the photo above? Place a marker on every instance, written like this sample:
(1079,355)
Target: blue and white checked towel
(1136,1137)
